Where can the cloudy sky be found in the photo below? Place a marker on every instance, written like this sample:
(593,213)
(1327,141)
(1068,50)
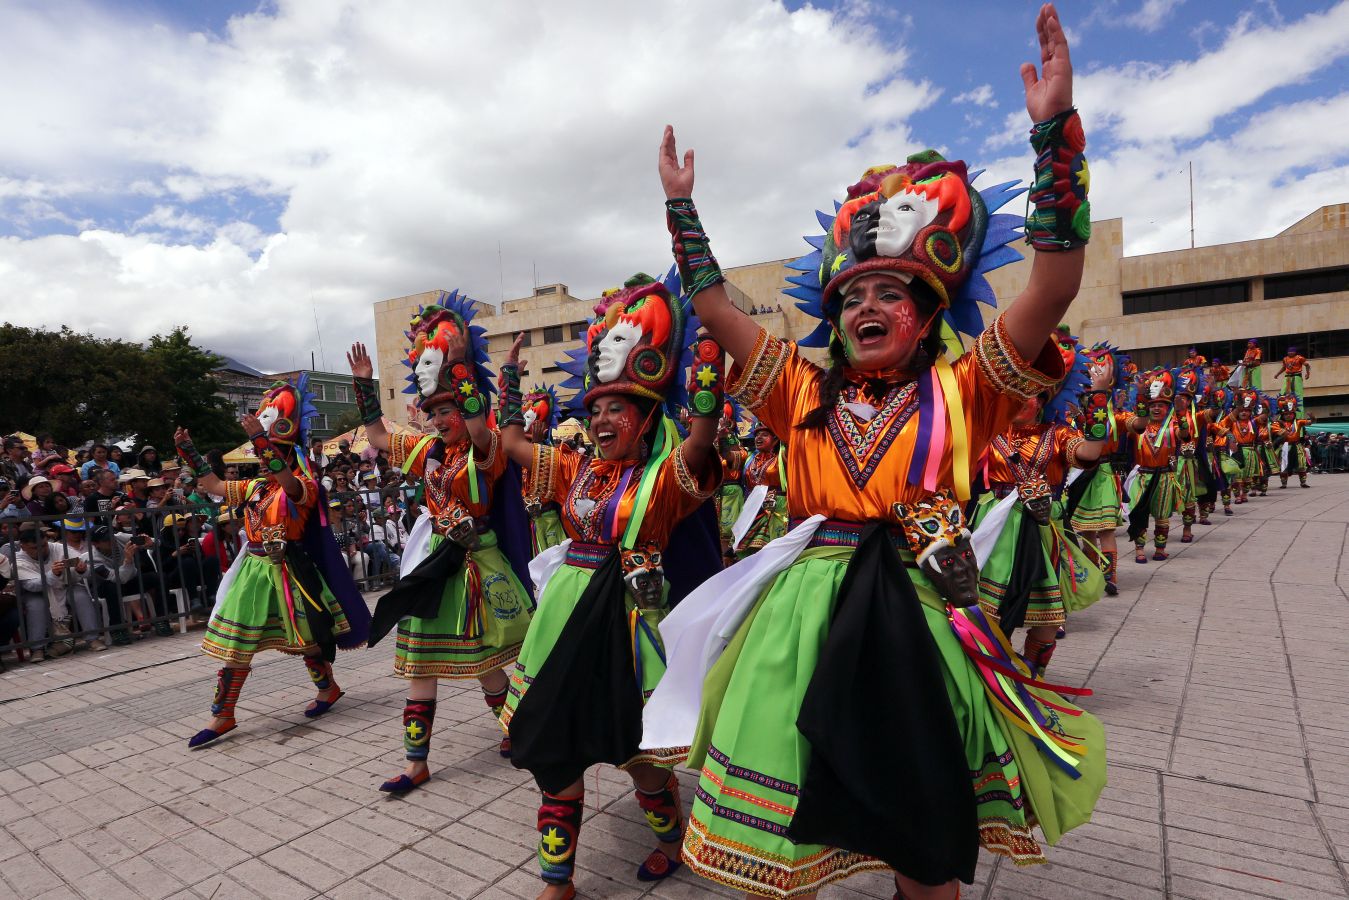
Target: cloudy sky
(250,169)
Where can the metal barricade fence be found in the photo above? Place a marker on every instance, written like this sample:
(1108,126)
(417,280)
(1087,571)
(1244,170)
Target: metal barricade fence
(147,570)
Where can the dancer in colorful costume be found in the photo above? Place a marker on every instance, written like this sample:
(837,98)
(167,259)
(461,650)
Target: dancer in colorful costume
(1093,498)
(542,413)
(1297,368)
(461,608)
(1217,372)
(1193,476)
(1151,488)
(1030,574)
(1250,365)
(854,721)
(1242,430)
(594,653)
(1222,467)
(731,494)
(1266,457)
(1290,433)
(290,589)
(764,516)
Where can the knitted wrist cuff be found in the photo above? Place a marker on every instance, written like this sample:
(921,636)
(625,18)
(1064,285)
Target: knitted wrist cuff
(367,401)
(193,460)
(698,269)
(510,402)
(1059,215)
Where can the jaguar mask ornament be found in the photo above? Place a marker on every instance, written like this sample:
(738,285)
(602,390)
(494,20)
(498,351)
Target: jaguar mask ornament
(934,528)
(644,575)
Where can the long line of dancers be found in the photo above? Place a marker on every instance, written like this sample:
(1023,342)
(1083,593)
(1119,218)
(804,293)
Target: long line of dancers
(815,608)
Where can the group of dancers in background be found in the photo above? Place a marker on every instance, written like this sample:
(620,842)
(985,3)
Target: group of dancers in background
(816,609)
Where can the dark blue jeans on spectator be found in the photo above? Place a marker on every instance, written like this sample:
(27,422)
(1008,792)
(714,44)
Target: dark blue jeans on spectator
(379,558)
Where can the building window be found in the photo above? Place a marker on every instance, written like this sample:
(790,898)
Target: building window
(1315,345)
(321,422)
(547,289)
(1185,298)
(341,393)
(553,334)
(578,329)
(317,388)
(529,338)
(390,393)
(547,369)
(1304,284)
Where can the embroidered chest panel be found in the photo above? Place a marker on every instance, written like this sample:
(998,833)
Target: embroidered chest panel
(1027,455)
(862,445)
(589,500)
(439,484)
(756,473)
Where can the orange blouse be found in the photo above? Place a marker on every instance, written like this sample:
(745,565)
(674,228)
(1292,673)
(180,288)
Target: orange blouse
(268,513)
(1292,432)
(1046,451)
(1293,364)
(585,488)
(1243,433)
(854,469)
(448,488)
(762,468)
(733,463)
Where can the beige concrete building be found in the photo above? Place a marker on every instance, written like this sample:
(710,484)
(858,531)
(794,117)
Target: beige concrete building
(1292,288)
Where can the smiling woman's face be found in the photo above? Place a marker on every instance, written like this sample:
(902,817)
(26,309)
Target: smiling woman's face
(616,427)
(880,322)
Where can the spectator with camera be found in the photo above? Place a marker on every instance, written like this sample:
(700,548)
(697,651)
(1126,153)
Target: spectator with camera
(349,540)
(117,577)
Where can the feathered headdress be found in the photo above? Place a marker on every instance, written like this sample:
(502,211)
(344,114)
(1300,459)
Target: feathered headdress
(1189,380)
(922,220)
(1158,384)
(1105,354)
(430,379)
(640,342)
(1078,378)
(1286,404)
(293,403)
(542,405)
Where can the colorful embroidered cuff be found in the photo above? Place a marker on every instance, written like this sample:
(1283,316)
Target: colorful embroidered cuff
(367,401)
(688,482)
(707,379)
(193,460)
(765,365)
(236,492)
(1096,415)
(1058,213)
(698,269)
(1070,449)
(268,456)
(1005,368)
(510,402)
(493,448)
(542,473)
(464,389)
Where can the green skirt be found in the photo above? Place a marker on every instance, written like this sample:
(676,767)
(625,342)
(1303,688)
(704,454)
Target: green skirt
(1045,605)
(483,617)
(1248,468)
(546,530)
(1165,499)
(730,500)
(1188,483)
(1099,508)
(559,599)
(753,759)
(1268,459)
(254,616)
(769,524)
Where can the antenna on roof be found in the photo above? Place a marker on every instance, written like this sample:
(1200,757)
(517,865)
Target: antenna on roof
(501,278)
(323,356)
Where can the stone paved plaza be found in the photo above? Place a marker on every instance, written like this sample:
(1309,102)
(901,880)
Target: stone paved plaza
(1221,676)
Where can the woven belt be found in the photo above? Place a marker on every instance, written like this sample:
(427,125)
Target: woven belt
(256,548)
(840,533)
(587,556)
(1153,470)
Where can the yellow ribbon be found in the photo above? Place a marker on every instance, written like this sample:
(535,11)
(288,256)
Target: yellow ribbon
(960,442)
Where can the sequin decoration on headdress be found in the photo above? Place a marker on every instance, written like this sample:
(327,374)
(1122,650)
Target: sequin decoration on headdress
(431,379)
(922,220)
(639,344)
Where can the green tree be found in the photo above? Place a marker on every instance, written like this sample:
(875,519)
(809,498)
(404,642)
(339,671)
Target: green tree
(81,388)
(191,399)
(347,420)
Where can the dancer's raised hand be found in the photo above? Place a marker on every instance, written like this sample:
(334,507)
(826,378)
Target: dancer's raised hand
(676,179)
(1049,92)
(359,360)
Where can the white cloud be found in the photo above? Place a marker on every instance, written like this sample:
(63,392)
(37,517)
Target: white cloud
(979,96)
(404,140)
(1149,102)
(1152,15)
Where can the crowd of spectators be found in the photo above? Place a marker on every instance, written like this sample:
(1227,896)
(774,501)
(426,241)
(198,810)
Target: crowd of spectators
(104,545)
(1330,453)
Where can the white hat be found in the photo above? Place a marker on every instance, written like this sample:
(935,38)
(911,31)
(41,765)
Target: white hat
(33,482)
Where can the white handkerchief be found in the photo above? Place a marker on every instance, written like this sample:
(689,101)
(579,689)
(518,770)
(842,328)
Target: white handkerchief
(584,506)
(864,411)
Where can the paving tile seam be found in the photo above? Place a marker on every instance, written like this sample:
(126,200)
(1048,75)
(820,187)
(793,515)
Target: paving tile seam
(1288,663)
